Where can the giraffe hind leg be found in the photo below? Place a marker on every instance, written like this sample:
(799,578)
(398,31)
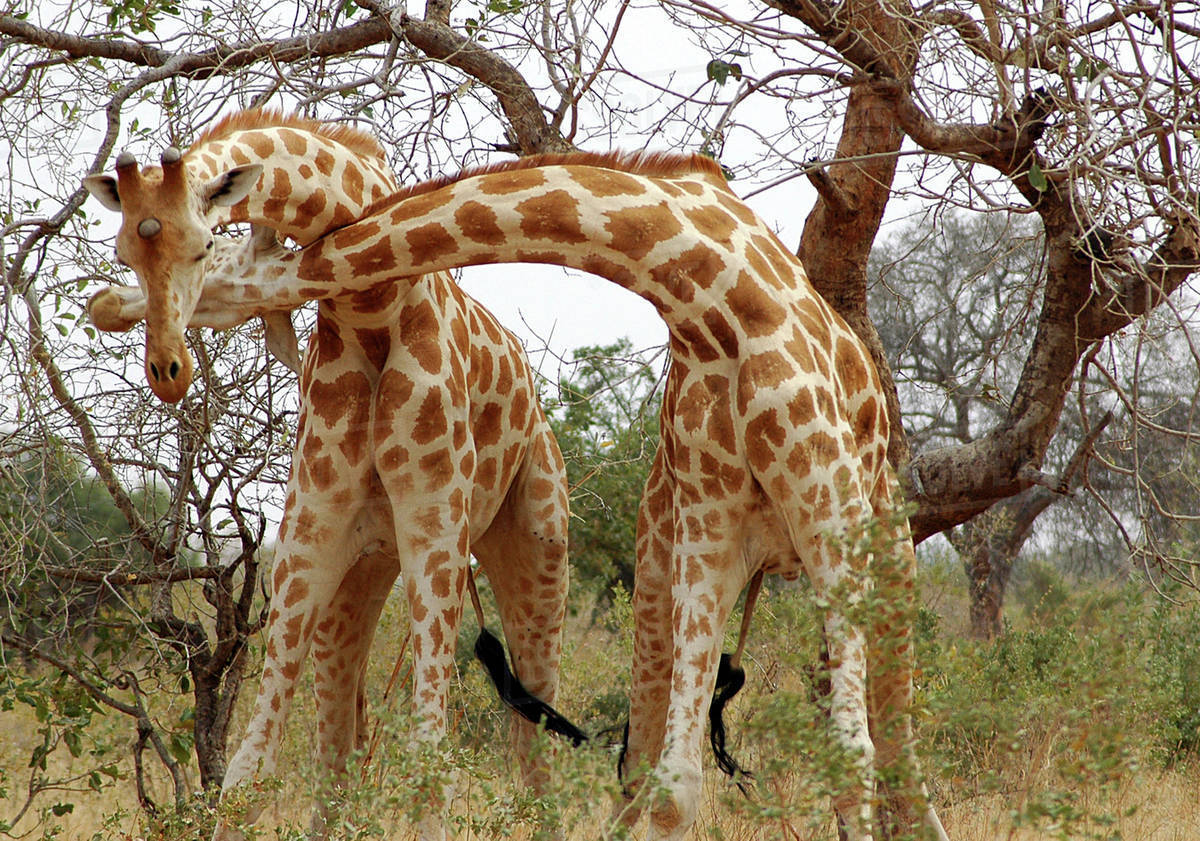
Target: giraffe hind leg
(524,554)
(905,807)
(490,652)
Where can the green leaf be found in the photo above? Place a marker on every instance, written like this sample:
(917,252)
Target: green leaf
(719,71)
(60,809)
(181,747)
(1089,68)
(1037,178)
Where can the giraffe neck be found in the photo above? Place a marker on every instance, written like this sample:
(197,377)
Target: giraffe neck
(311,182)
(683,242)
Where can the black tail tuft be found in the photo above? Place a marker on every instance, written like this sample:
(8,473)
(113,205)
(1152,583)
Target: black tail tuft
(621,759)
(490,652)
(729,681)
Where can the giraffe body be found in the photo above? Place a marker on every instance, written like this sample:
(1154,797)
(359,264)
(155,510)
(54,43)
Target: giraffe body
(420,441)
(774,434)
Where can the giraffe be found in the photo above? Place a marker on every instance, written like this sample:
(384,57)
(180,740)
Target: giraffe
(421,439)
(774,432)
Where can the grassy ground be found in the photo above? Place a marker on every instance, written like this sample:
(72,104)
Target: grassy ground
(1083,723)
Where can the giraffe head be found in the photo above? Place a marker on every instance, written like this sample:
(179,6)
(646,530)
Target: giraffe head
(166,238)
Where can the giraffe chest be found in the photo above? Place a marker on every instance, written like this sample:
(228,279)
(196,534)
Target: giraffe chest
(444,393)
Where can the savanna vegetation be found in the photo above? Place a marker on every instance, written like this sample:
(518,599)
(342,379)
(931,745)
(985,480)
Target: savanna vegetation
(1000,198)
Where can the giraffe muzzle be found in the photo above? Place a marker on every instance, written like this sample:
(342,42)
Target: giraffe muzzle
(169,374)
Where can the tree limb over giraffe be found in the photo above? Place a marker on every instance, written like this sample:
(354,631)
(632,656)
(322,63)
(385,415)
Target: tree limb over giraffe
(532,132)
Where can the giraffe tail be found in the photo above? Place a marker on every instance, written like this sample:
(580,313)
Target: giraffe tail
(490,652)
(730,679)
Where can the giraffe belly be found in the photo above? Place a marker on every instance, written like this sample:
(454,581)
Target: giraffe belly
(766,544)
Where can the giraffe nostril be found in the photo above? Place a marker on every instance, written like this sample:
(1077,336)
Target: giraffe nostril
(174,371)
(154,371)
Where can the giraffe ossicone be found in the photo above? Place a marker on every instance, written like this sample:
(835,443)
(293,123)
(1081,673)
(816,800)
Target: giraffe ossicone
(420,440)
(774,433)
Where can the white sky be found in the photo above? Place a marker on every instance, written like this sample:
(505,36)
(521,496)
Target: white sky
(557,309)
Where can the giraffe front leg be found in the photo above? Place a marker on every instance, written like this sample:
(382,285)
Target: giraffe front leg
(848,716)
(653,642)
(905,806)
(434,570)
(304,584)
(708,573)
(838,574)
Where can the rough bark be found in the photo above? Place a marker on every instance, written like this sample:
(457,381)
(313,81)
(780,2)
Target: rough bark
(952,484)
(853,192)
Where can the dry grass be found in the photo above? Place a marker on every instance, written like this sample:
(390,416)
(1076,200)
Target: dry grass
(1150,803)
(1156,805)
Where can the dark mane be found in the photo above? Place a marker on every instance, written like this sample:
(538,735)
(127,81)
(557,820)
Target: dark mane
(650,164)
(352,138)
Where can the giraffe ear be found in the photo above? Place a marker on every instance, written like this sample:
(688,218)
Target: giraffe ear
(104,188)
(265,240)
(229,188)
(281,338)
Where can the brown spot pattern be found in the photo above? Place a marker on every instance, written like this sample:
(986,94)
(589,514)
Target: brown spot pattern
(378,298)
(478,222)
(260,144)
(698,266)
(431,419)
(553,216)
(437,469)
(293,141)
(801,410)
(757,312)
(603,183)
(737,208)
(376,344)
(346,395)
(429,243)
(604,267)
(764,438)
(721,331)
(511,182)
(313,206)
(346,239)
(713,223)
(636,231)
(418,206)
(851,365)
(352,185)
